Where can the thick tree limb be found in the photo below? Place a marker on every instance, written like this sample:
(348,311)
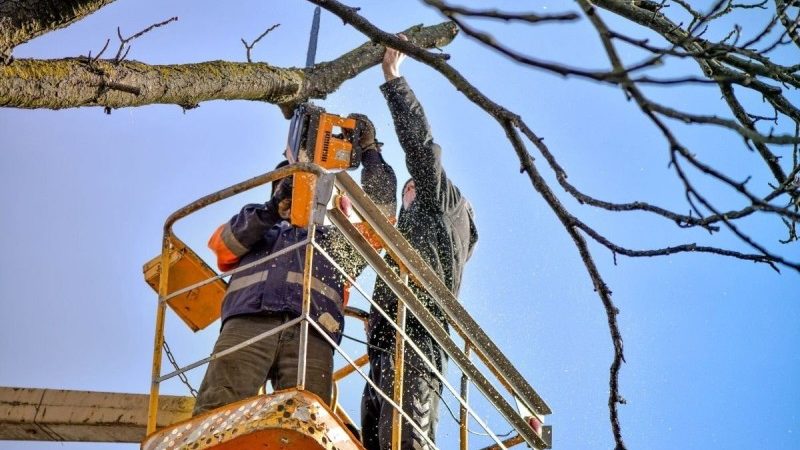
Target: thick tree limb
(72,82)
(23,20)
(75,82)
(326,77)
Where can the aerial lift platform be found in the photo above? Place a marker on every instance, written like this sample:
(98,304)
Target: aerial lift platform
(296,418)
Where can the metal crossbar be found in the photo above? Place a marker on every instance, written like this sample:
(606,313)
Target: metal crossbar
(372,383)
(230,350)
(401,331)
(269,257)
(457,316)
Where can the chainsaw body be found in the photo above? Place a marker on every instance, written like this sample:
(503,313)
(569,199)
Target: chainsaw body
(328,140)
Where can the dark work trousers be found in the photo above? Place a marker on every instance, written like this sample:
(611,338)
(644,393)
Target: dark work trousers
(421,391)
(240,374)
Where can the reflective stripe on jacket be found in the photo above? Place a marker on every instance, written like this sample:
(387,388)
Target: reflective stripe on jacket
(276,285)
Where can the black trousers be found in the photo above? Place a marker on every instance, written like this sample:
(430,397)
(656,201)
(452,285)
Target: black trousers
(240,374)
(421,391)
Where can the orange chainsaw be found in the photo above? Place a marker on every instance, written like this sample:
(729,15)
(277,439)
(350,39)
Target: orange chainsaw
(328,140)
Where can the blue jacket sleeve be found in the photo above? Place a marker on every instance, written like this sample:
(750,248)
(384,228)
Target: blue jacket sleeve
(236,237)
(253,222)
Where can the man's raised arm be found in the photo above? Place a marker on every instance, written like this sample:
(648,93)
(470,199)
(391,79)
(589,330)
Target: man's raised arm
(423,155)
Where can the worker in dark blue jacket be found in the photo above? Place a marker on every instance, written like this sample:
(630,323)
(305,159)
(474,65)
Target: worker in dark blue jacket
(268,294)
(437,220)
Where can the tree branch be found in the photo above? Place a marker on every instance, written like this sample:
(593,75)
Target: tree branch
(249,47)
(326,77)
(792,27)
(122,52)
(71,82)
(683,248)
(449,10)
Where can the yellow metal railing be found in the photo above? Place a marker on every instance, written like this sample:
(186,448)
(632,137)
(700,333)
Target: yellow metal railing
(168,248)
(476,341)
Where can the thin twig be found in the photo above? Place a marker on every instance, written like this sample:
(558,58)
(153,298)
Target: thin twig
(122,52)
(249,47)
(532,18)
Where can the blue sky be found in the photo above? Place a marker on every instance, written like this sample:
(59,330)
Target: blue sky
(710,342)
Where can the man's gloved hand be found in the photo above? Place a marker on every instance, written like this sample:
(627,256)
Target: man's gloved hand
(367,139)
(282,197)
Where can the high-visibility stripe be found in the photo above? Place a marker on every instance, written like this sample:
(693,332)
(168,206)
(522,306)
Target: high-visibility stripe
(330,324)
(226,258)
(247,280)
(231,242)
(317,285)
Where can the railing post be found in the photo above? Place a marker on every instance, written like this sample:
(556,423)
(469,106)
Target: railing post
(399,363)
(306,311)
(163,288)
(463,416)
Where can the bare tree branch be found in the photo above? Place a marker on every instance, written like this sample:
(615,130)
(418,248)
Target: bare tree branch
(684,248)
(70,83)
(741,115)
(676,147)
(250,46)
(122,52)
(533,18)
(792,26)
(748,132)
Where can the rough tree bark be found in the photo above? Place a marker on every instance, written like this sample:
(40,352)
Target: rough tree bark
(23,20)
(74,82)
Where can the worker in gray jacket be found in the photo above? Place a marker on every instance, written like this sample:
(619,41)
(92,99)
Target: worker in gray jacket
(438,221)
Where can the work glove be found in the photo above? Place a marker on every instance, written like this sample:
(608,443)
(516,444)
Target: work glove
(283,190)
(367,138)
(281,200)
